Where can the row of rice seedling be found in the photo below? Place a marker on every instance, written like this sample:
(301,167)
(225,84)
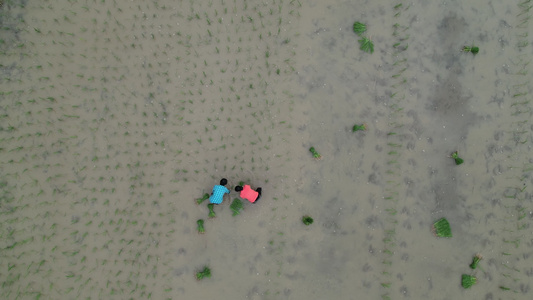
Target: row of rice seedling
(514,199)
(395,188)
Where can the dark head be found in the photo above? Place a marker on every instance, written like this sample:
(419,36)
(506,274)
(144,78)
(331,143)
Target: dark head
(223,181)
(238,188)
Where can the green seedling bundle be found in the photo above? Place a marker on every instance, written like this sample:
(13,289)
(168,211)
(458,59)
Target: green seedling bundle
(468,280)
(236,206)
(457,159)
(307,220)
(200,224)
(441,228)
(211,207)
(357,127)
(359,28)
(205,273)
(316,155)
(204,197)
(365,43)
(475,261)
(472,49)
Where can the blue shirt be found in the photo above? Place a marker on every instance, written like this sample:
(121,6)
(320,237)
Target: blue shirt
(218,194)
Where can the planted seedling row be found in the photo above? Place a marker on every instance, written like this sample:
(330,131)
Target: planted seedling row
(394,188)
(514,196)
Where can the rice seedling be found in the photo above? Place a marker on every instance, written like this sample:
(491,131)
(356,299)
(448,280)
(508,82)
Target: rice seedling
(315,154)
(441,228)
(211,208)
(205,273)
(472,49)
(359,28)
(366,45)
(468,280)
(236,206)
(516,242)
(200,224)
(457,159)
(475,261)
(520,44)
(361,127)
(202,199)
(307,220)
(394,145)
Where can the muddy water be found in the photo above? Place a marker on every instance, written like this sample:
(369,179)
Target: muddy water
(117,116)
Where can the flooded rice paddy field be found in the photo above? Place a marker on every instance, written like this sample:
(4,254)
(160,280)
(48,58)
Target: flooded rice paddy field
(117,115)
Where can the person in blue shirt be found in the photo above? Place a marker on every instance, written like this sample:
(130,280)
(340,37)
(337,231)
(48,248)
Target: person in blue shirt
(218,192)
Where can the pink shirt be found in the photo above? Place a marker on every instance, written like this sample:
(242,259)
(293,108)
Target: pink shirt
(249,194)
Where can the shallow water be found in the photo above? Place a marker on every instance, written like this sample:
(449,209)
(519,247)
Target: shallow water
(116,116)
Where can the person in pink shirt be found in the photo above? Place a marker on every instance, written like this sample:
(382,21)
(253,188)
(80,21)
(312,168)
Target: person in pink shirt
(248,193)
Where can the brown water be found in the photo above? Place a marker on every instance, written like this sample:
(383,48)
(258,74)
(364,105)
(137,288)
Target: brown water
(117,115)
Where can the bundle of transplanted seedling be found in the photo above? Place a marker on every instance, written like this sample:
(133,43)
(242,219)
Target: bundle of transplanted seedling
(475,261)
(211,208)
(204,197)
(457,159)
(365,43)
(472,49)
(469,280)
(359,127)
(205,273)
(236,206)
(315,153)
(200,224)
(307,220)
(441,228)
